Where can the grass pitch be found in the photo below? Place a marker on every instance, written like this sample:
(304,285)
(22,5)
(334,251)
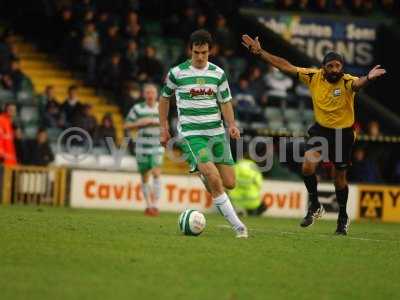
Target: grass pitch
(60,253)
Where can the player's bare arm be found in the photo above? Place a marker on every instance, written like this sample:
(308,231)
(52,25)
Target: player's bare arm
(144,122)
(163,108)
(372,75)
(229,117)
(254,46)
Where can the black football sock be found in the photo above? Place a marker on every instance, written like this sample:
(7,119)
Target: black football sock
(341,196)
(311,184)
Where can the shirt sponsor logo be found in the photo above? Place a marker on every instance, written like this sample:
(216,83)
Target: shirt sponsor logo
(201,92)
(337,93)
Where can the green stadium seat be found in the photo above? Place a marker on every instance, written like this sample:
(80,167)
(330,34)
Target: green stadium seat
(292,114)
(295,126)
(53,133)
(273,114)
(30,131)
(152,27)
(308,116)
(276,125)
(29,114)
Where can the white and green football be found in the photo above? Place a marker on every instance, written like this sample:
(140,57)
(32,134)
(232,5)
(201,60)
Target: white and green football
(192,222)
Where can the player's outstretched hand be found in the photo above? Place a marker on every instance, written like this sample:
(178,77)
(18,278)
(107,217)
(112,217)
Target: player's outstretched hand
(376,72)
(165,136)
(234,132)
(252,44)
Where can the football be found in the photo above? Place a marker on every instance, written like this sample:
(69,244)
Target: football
(191,222)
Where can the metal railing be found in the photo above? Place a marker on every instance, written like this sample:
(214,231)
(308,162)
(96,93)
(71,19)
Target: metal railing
(34,185)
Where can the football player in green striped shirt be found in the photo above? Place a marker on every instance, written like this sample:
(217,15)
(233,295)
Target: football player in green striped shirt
(202,93)
(149,152)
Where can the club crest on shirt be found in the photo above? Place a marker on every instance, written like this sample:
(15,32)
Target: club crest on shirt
(200,81)
(337,92)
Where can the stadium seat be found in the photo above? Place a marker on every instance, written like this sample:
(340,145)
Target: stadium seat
(129,163)
(276,125)
(295,126)
(30,131)
(29,114)
(292,114)
(53,133)
(107,161)
(308,116)
(273,113)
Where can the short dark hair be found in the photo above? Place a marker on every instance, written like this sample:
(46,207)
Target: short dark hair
(200,37)
(72,88)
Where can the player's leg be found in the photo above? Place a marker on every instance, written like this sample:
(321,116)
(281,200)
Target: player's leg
(342,162)
(145,171)
(227,174)
(315,209)
(156,172)
(221,199)
(342,193)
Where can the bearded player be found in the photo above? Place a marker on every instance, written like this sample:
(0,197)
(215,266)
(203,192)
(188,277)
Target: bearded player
(332,93)
(202,93)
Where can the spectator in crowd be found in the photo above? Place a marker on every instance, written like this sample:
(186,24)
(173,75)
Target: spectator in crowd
(278,85)
(218,58)
(111,42)
(7,147)
(22,150)
(90,51)
(53,116)
(82,7)
(68,36)
(85,120)
(321,6)
(105,130)
(224,36)
(363,169)
(373,129)
(357,7)
(286,4)
(133,29)
(256,81)
(149,67)
(303,5)
(339,7)
(111,73)
(103,22)
(130,60)
(201,21)
(396,172)
(41,153)
(131,95)
(187,22)
(16,75)
(245,103)
(45,98)
(71,105)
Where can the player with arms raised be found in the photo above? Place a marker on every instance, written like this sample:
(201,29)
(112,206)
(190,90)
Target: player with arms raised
(332,93)
(202,92)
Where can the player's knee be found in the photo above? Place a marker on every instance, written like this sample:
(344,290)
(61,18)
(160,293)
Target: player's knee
(229,183)
(308,168)
(340,180)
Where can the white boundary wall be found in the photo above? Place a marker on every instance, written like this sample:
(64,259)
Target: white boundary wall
(121,190)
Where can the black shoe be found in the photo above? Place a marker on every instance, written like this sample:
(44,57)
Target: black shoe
(343,224)
(312,215)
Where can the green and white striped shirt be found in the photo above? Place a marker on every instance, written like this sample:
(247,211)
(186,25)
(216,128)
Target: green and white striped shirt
(148,138)
(198,93)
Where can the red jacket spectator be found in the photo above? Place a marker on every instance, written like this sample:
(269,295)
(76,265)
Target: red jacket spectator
(7,148)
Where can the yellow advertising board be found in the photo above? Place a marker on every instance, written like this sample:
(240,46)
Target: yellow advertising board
(379,202)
